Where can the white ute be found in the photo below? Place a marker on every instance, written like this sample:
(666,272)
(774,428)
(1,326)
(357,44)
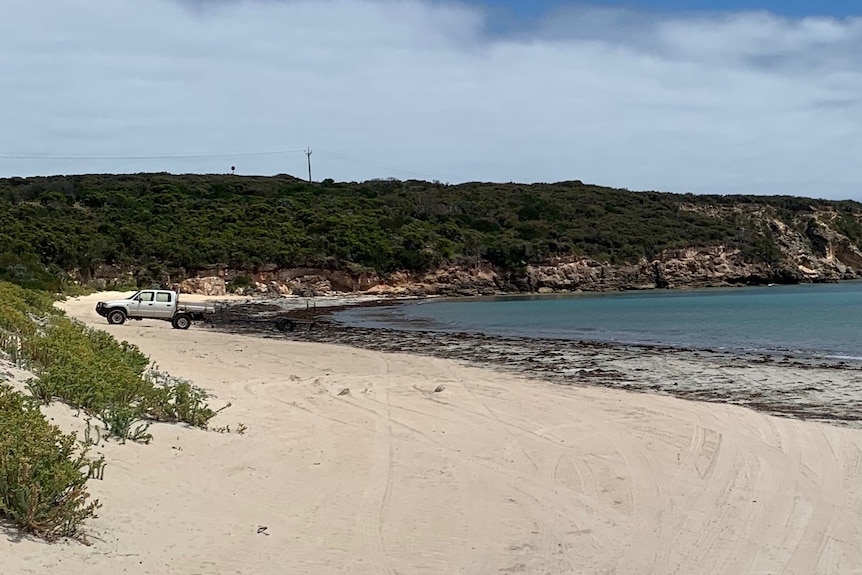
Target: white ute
(154,304)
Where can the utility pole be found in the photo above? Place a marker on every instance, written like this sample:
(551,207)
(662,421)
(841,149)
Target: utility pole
(308,153)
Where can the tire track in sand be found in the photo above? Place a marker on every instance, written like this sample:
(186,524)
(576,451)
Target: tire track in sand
(554,540)
(821,524)
(371,551)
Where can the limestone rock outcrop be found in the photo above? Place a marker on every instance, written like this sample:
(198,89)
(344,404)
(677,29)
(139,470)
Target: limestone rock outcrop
(214,286)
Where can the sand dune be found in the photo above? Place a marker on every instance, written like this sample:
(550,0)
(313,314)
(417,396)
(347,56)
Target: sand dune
(490,474)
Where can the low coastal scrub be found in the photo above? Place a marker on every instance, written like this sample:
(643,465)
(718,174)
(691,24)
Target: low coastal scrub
(90,370)
(163,224)
(43,471)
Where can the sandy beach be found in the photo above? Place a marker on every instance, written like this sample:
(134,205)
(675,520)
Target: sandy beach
(365,462)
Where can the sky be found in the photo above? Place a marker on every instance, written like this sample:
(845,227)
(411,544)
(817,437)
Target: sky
(702,96)
(790,8)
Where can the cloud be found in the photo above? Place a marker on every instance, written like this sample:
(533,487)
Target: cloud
(723,103)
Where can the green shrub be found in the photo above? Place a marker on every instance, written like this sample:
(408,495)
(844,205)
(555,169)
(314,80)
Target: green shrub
(90,370)
(239,282)
(124,422)
(16,326)
(42,477)
(177,400)
(86,368)
(27,271)
(42,471)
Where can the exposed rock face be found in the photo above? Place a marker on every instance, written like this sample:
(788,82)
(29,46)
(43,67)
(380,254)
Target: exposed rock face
(811,248)
(306,286)
(214,286)
(320,280)
(714,266)
(311,285)
(833,253)
(809,251)
(456,280)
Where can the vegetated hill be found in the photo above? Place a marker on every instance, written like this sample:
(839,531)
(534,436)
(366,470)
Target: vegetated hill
(163,225)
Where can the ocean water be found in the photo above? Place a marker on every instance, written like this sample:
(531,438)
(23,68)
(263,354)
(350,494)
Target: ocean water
(811,320)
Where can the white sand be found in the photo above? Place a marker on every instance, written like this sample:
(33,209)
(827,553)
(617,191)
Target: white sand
(494,474)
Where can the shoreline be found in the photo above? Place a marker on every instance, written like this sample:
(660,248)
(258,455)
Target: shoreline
(824,389)
(366,462)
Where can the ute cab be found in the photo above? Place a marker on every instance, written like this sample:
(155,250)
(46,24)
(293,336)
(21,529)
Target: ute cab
(154,304)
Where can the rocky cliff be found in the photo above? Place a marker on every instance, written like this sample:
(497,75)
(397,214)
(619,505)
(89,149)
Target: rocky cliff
(807,247)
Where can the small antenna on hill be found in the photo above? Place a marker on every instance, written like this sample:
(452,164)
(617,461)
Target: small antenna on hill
(308,153)
(233,170)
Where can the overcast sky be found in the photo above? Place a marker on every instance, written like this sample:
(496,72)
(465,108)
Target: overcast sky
(646,97)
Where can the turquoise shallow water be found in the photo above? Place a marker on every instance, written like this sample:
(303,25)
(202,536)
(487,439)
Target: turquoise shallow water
(814,320)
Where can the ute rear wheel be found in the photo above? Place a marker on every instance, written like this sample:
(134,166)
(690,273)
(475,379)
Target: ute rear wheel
(116,317)
(181,322)
(285,324)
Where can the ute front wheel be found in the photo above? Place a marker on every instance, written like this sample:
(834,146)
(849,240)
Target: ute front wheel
(181,322)
(116,317)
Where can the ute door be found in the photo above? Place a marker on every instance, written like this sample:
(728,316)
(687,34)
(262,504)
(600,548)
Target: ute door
(142,306)
(163,307)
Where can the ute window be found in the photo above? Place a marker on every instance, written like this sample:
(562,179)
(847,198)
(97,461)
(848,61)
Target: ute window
(146,296)
(163,297)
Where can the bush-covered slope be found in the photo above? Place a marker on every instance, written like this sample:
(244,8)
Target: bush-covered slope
(178,224)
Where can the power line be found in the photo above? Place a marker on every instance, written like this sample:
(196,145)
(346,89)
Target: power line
(148,157)
(205,155)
